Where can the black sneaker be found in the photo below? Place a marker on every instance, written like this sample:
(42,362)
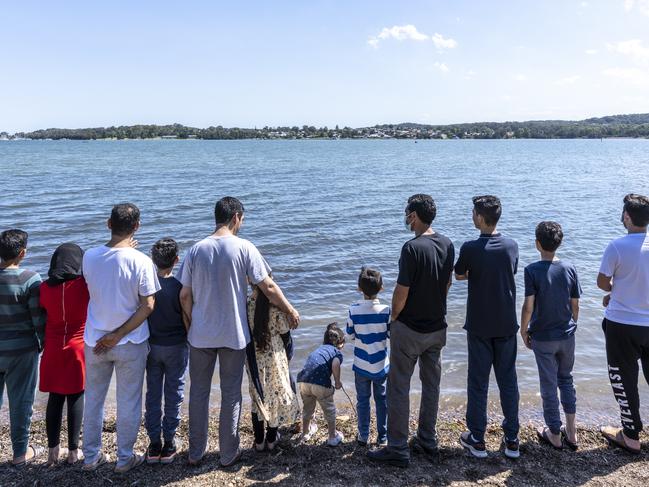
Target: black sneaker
(418,446)
(389,457)
(153,452)
(511,448)
(473,446)
(168,452)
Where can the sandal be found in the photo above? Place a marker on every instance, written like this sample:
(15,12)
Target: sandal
(617,438)
(544,438)
(38,451)
(564,436)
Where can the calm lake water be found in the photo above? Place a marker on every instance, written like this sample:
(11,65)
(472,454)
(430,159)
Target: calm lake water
(319,210)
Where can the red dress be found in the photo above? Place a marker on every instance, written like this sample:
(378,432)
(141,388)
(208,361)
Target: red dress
(63,365)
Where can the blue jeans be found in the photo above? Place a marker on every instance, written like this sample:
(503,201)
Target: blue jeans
(364,386)
(555,360)
(484,353)
(165,370)
(18,372)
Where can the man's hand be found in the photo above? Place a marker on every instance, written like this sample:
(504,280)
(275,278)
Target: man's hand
(106,343)
(338,384)
(606,300)
(293,319)
(527,340)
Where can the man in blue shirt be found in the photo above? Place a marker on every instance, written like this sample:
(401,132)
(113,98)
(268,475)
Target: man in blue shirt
(489,263)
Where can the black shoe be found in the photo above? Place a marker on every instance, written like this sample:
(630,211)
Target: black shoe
(389,457)
(153,452)
(168,452)
(419,446)
(473,446)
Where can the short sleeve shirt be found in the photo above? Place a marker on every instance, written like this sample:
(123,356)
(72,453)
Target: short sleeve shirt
(492,262)
(218,269)
(317,369)
(553,285)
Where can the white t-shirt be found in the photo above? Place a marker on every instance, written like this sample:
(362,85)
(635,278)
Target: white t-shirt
(626,259)
(116,279)
(218,269)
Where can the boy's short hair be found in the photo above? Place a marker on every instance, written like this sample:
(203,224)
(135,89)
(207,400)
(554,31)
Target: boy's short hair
(424,206)
(637,207)
(226,208)
(11,243)
(124,218)
(370,281)
(549,235)
(164,253)
(333,335)
(489,208)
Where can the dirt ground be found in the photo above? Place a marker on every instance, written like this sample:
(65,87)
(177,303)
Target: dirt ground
(315,464)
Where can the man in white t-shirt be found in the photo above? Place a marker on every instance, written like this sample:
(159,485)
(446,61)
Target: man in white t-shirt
(121,282)
(625,273)
(215,276)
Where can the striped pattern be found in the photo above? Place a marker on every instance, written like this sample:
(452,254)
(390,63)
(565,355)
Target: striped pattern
(22,321)
(368,325)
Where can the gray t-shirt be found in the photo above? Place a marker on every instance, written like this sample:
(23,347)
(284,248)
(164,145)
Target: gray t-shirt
(218,269)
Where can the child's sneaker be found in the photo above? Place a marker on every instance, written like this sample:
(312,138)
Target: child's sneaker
(360,441)
(473,446)
(153,452)
(313,429)
(382,442)
(168,453)
(511,448)
(336,440)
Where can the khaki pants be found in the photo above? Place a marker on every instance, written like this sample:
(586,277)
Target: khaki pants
(312,393)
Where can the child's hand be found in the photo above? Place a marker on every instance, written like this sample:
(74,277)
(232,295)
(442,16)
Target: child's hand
(606,300)
(339,384)
(526,339)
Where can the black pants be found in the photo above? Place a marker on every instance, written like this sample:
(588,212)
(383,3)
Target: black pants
(625,345)
(258,428)
(54,418)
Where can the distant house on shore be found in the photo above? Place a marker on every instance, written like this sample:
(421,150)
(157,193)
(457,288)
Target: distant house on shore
(169,137)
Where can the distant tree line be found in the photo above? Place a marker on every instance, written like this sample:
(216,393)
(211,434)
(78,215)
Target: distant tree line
(636,125)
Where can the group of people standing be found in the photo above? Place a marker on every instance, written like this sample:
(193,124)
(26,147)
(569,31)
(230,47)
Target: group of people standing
(113,308)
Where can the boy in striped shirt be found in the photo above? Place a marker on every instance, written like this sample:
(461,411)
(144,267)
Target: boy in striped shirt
(369,326)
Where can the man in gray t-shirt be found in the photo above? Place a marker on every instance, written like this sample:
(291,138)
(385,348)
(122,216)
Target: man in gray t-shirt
(215,276)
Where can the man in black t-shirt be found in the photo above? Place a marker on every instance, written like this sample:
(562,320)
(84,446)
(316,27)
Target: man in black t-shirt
(490,263)
(417,332)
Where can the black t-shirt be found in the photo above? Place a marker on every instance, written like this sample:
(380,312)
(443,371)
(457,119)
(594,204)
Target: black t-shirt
(166,325)
(492,261)
(425,268)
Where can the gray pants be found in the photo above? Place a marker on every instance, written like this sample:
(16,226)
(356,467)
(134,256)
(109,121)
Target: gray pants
(129,362)
(201,369)
(555,360)
(406,348)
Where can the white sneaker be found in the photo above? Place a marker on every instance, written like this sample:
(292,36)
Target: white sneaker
(313,429)
(336,440)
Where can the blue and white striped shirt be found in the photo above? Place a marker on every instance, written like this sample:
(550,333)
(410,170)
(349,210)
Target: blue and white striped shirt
(369,326)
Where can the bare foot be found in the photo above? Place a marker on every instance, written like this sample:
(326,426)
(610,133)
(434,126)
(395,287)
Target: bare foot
(74,456)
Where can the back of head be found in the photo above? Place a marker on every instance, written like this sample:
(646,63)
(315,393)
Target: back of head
(549,235)
(489,208)
(65,264)
(12,242)
(124,219)
(424,206)
(226,208)
(637,207)
(370,282)
(164,253)
(334,335)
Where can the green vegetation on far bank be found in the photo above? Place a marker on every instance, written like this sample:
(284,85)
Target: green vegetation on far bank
(632,126)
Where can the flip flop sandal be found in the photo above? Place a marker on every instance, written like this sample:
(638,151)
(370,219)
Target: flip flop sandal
(38,451)
(544,438)
(564,436)
(618,440)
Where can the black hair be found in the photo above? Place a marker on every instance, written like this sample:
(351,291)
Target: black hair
(370,281)
(549,235)
(226,208)
(637,207)
(164,253)
(124,218)
(11,243)
(261,330)
(333,335)
(489,208)
(424,206)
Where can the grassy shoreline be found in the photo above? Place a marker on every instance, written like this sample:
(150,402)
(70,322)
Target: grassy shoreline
(314,463)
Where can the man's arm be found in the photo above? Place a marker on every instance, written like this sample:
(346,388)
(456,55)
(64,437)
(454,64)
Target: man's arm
(604,282)
(526,316)
(111,339)
(335,369)
(399,298)
(186,304)
(276,297)
(574,304)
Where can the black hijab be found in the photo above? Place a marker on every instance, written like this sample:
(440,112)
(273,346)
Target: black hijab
(65,264)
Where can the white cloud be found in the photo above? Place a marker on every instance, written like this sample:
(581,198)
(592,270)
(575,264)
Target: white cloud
(641,5)
(443,43)
(569,80)
(469,74)
(632,75)
(442,67)
(633,49)
(520,77)
(591,52)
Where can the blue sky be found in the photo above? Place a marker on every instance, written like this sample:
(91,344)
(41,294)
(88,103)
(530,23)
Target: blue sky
(356,63)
